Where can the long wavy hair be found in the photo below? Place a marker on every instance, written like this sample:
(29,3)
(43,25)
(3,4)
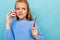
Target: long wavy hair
(28,16)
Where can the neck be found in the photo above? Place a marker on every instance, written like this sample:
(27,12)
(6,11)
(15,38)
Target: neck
(22,19)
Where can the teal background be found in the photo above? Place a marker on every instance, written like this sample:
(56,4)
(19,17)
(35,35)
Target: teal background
(47,12)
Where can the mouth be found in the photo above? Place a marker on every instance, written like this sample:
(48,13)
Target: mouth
(13,14)
(20,14)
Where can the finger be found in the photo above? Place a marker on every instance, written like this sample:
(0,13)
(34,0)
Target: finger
(12,10)
(34,32)
(9,13)
(33,28)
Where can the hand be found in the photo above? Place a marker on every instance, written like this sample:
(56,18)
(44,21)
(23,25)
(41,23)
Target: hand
(8,18)
(35,32)
(8,21)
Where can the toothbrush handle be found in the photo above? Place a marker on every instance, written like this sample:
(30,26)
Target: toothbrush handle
(34,22)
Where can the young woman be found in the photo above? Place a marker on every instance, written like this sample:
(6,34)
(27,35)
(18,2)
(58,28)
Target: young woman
(23,28)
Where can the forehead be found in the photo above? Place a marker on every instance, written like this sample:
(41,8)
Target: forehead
(21,4)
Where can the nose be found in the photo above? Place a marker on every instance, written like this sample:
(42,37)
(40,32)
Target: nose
(20,11)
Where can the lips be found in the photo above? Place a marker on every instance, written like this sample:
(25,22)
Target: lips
(13,14)
(20,14)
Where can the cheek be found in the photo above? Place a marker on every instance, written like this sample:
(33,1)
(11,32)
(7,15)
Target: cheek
(17,11)
(25,12)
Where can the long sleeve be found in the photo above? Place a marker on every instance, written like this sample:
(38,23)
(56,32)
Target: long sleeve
(8,35)
(40,34)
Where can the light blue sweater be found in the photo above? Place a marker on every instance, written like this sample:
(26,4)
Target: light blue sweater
(21,30)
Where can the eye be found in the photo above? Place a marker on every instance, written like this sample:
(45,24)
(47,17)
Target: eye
(24,8)
(17,8)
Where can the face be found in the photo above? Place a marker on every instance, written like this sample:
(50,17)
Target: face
(21,10)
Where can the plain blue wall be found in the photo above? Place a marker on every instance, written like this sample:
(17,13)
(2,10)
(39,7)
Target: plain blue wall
(47,12)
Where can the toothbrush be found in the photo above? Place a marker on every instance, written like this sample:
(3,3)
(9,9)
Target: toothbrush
(34,22)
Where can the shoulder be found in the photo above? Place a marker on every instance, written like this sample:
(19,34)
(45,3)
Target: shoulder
(31,21)
(23,22)
(13,22)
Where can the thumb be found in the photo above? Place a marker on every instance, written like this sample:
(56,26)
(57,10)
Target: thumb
(33,28)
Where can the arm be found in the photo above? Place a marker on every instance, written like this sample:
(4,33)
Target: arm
(8,32)
(40,34)
(36,32)
(8,35)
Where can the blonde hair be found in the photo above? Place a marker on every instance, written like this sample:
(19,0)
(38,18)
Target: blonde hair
(28,16)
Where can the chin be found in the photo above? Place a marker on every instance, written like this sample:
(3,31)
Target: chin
(21,17)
